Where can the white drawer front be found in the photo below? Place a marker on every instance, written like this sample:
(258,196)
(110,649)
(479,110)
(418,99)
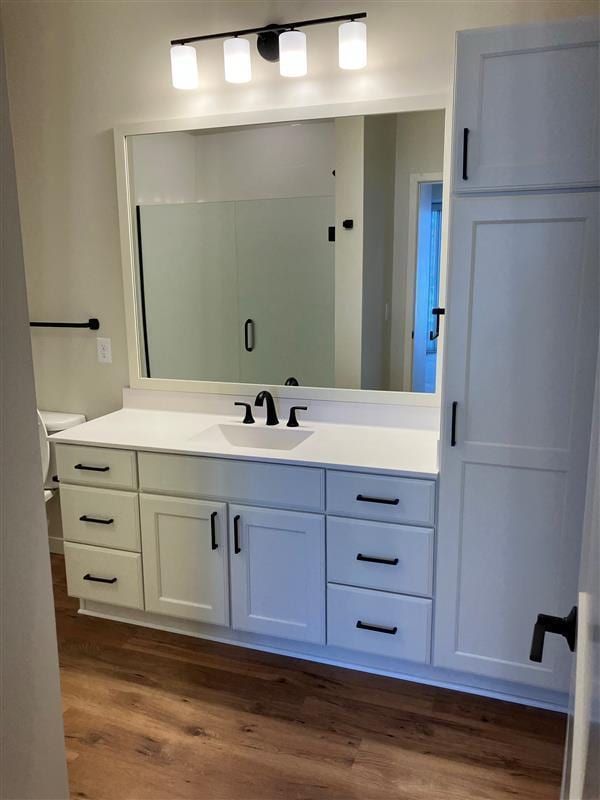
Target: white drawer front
(99,516)
(121,575)
(96,466)
(381,497)
(407,620)
(241,481)
(377,555)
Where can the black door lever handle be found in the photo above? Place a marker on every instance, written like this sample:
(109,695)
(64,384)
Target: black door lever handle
(565,626)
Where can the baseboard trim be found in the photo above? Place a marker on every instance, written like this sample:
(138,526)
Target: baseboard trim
(56,544)
(337,657)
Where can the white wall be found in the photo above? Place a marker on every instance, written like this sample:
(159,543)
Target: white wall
(259,162)
(378,247)
(76,69)
(32,753)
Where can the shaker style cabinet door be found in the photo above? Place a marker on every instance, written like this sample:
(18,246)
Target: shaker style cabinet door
(184,544)
(277,573)
(526,107)
(521,340)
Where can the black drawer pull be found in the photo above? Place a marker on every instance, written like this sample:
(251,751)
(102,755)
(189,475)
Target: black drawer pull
(385,500)
(89,577)
(236,534)
(365,626)
(213,530)
(374,560)
(85,518)
(91,469)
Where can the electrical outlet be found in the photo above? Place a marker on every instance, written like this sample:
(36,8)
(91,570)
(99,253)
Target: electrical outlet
(104,350)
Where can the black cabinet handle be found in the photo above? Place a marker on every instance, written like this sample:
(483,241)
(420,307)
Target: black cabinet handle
(388,501)
(98,521)
(437,313)
(91,469)
(89,577)
(213,530)
(365,626)
(249,328)
(453,426)
(236,534)
(565,626)
(375,560)
(465,176)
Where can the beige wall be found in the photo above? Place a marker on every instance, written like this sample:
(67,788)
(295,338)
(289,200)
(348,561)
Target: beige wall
(32,753)
(77,68)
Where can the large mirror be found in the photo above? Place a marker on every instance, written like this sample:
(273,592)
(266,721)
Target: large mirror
(298,252)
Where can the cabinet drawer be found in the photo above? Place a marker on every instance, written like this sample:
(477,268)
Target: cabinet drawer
(96,466)
(101,517)
(378,555)
(121,575)
(381,497)
(241,481)
(407,621)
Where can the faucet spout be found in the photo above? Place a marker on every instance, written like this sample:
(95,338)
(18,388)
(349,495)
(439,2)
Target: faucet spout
(263,396)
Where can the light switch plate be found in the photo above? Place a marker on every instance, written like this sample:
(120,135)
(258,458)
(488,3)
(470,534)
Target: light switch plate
(104,350)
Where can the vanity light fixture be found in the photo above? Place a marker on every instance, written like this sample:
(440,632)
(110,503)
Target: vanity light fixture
(353,45)
(236,53)
(292,54)
(184,66)
(276,42)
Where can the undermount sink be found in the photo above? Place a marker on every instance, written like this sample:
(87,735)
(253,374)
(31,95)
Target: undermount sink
(254,437)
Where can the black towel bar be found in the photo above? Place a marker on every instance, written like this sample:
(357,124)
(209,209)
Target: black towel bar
(93,324)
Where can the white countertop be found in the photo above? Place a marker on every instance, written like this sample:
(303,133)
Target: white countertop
(356,447)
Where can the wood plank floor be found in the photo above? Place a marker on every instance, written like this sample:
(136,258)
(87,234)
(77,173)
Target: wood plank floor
(157,716)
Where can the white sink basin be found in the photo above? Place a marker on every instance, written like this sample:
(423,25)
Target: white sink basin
(253,437)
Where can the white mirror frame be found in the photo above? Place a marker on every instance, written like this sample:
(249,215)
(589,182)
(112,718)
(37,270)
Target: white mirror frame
(387,106)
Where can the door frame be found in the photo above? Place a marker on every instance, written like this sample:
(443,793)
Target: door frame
(416,179)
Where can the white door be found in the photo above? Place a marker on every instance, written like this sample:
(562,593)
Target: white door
(581,780)
(526,106)
(277,573)
(520,360)
(184,547)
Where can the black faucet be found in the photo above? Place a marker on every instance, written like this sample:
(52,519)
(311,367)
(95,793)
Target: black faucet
(271,412)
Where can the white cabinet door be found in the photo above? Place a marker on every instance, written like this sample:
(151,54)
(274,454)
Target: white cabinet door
(521,338)
(528,98)
(277,573)
(184,546)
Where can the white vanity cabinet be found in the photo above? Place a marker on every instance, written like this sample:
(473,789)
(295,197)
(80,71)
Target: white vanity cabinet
(184,545)
(321,557)
(277,572)
(526,107)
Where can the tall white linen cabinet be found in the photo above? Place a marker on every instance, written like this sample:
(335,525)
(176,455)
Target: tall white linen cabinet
(521,338)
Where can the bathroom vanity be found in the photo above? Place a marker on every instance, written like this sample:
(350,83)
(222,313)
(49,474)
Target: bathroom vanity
(276,537)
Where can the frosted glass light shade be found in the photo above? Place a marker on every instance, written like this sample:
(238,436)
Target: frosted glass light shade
(236,53)
(184,66)
(292,54)
(353,45)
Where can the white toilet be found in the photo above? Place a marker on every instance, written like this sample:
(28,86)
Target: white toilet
(52,422)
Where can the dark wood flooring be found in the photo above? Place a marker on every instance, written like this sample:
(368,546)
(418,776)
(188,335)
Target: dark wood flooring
(156,716)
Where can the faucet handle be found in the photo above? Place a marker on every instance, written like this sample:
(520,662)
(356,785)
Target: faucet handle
(248,418)
(292,421)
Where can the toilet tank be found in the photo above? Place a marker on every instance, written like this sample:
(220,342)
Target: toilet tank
(56,421)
